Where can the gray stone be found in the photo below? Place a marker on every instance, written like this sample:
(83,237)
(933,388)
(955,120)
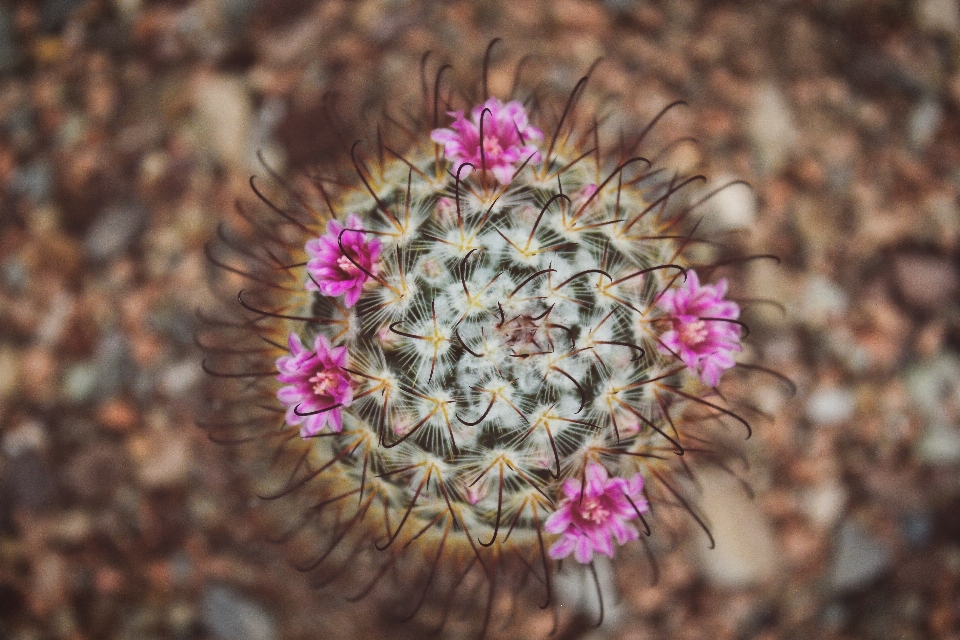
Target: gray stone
(33,181)
(917,528)
(824,502)
(181,568)
(746,550)
(80,382)
(115,231)
(732,207)
(858,558)
(923,122)
(577,591)
(225,111)
(55,320)
(114,364)
(27,436)
(939,443)
(834,615)
(620,6)
(930,382)
(823,300)
(939,16)
(830,405)
(176,322)
(181,377)
(229,615)
(237,12)
(15,274)
(934,387)
(771,128)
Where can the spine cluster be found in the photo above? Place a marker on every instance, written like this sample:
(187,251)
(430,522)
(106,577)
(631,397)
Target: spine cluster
(487,350)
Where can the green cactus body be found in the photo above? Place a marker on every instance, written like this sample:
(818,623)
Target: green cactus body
(504,357)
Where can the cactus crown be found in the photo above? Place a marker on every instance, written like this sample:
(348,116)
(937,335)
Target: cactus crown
(494,340)
(506,339)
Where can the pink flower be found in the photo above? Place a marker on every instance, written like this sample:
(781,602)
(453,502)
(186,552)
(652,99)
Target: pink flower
(507,137)
(587,522)
(333,273)
(700,333)
(318,385)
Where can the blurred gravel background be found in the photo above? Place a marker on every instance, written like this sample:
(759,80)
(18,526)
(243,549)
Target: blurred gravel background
(128,127)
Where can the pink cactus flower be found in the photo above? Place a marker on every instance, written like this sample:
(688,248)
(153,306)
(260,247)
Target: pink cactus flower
(700,333)
(317,385)
(331,272)
(507,139)
(588,520)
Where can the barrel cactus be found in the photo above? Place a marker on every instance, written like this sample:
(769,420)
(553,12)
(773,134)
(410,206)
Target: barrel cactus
(477,356)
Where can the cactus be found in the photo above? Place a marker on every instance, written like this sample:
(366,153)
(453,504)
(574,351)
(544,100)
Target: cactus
(479,354)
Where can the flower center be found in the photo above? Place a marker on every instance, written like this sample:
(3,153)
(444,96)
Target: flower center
(324,382)
(593,511)
(346,266)
(491,146)
(693,333)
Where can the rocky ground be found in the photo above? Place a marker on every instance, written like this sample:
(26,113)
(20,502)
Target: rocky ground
(128,127)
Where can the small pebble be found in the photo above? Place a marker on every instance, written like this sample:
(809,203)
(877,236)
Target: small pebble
(34,181)
(823,301)
(732,207)
(163,459)
(939,16)
(225,111)
(858,558)
(181,617)
(56,319)
(746,553)
(932,381)
(27,436)
(576,591)
(923,122)
(770,124)
(926,282)
(229,615)
(113,362)
(934,387)
(916,528)
(824,502)
(114,231)
(72,527)
(939,443)
(181,377)
(117,415)
(79,382)
(48,585)
(830,405)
